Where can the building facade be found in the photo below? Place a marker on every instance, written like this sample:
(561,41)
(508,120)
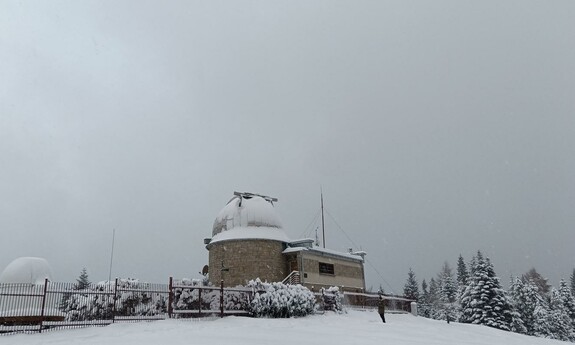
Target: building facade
(248,242)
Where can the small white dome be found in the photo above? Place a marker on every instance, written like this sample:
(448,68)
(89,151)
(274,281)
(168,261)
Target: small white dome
(247,211)
(26,270)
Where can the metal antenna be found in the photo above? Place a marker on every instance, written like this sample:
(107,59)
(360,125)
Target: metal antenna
(112,255)
(322,220)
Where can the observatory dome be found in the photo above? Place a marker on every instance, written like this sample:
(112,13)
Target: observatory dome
(28,270)
(249,215)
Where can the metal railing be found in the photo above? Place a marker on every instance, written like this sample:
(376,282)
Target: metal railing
(53,305)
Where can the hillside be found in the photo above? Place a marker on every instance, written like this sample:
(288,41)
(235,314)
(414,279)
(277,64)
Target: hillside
(353,327)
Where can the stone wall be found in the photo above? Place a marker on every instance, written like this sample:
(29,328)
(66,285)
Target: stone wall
(246,260)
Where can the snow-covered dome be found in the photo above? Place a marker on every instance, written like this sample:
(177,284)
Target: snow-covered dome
(27,270)
(250,213)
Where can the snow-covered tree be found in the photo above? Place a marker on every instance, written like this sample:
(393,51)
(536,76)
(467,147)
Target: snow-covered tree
(411,288)
(573,282)
(447,294)
(568,301)
(524,300)
(559,320)
(484,301)
(423,305)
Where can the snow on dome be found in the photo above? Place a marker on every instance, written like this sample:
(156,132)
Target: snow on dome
(26,270)
(246,210)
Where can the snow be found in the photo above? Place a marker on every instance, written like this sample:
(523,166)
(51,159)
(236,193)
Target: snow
(27,270)
(260,232)
(253,212)
(352,327)
(353,256)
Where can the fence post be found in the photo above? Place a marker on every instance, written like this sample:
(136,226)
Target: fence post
(200,301)
(43,305)
(115,300)
(222,298)
(170,297)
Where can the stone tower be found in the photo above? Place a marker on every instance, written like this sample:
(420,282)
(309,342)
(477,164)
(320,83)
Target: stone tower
(247,242)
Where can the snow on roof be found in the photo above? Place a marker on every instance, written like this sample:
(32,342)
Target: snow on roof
(248,211)
(242,233)
(352,256)
(27,270)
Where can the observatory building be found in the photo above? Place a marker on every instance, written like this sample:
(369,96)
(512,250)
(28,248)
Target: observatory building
(248,242)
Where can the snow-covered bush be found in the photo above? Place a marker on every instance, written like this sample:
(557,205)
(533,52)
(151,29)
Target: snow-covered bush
(187,298)
(96,302)
(278,300)
(331,299)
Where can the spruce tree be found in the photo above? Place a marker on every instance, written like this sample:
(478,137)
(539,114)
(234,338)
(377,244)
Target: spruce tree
(542,286)
(447,294)
(568,301)
(411,288)
(462,274)
(423,305)
(82,282)
(573,283)
(559,320)
(484,301)
(524,300)
(433,301)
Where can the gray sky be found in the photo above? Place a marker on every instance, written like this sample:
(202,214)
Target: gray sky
(434,127)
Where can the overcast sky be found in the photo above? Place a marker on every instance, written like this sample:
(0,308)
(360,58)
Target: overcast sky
(434,128)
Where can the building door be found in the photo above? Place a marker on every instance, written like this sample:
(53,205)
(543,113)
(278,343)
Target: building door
(293,266)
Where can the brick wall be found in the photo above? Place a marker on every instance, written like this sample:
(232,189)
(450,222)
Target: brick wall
(246,260)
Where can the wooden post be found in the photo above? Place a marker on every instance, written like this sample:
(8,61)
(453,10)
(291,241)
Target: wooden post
(222,298)
(170,297)
(115,300)
(43,305)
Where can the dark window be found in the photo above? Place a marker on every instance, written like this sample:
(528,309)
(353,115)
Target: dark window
(325,268)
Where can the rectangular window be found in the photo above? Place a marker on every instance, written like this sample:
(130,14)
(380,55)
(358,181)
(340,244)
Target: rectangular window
(325,268)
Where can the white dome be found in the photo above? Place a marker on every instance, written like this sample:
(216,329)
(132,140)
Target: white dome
(27,270)
(247,211)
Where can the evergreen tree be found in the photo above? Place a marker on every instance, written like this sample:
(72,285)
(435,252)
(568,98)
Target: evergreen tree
(525,300)
(433,301)
(462,274)
(411,288)
(542,286)
(447,290)
(484,301)
(568,301)
(573,282)
(423,305)
(424,296)
(447,294)
(82,282)
(559,320)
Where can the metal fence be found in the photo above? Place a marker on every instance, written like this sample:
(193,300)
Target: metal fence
(53,305)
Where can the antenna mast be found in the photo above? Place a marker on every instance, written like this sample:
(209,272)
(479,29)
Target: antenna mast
(322,220)
(112,255)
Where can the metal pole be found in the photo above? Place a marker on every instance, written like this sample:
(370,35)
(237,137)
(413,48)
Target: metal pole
(170,297)
(112,255)
(200,301)
(322,220)
(115,300)
(222,298)
(43,304)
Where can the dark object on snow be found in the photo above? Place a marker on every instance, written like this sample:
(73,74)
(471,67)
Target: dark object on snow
(381,308)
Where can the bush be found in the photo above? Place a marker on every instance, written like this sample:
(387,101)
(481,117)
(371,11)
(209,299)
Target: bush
(277,300)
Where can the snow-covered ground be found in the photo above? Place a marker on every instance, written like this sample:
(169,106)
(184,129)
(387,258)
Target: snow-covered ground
(353,327)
